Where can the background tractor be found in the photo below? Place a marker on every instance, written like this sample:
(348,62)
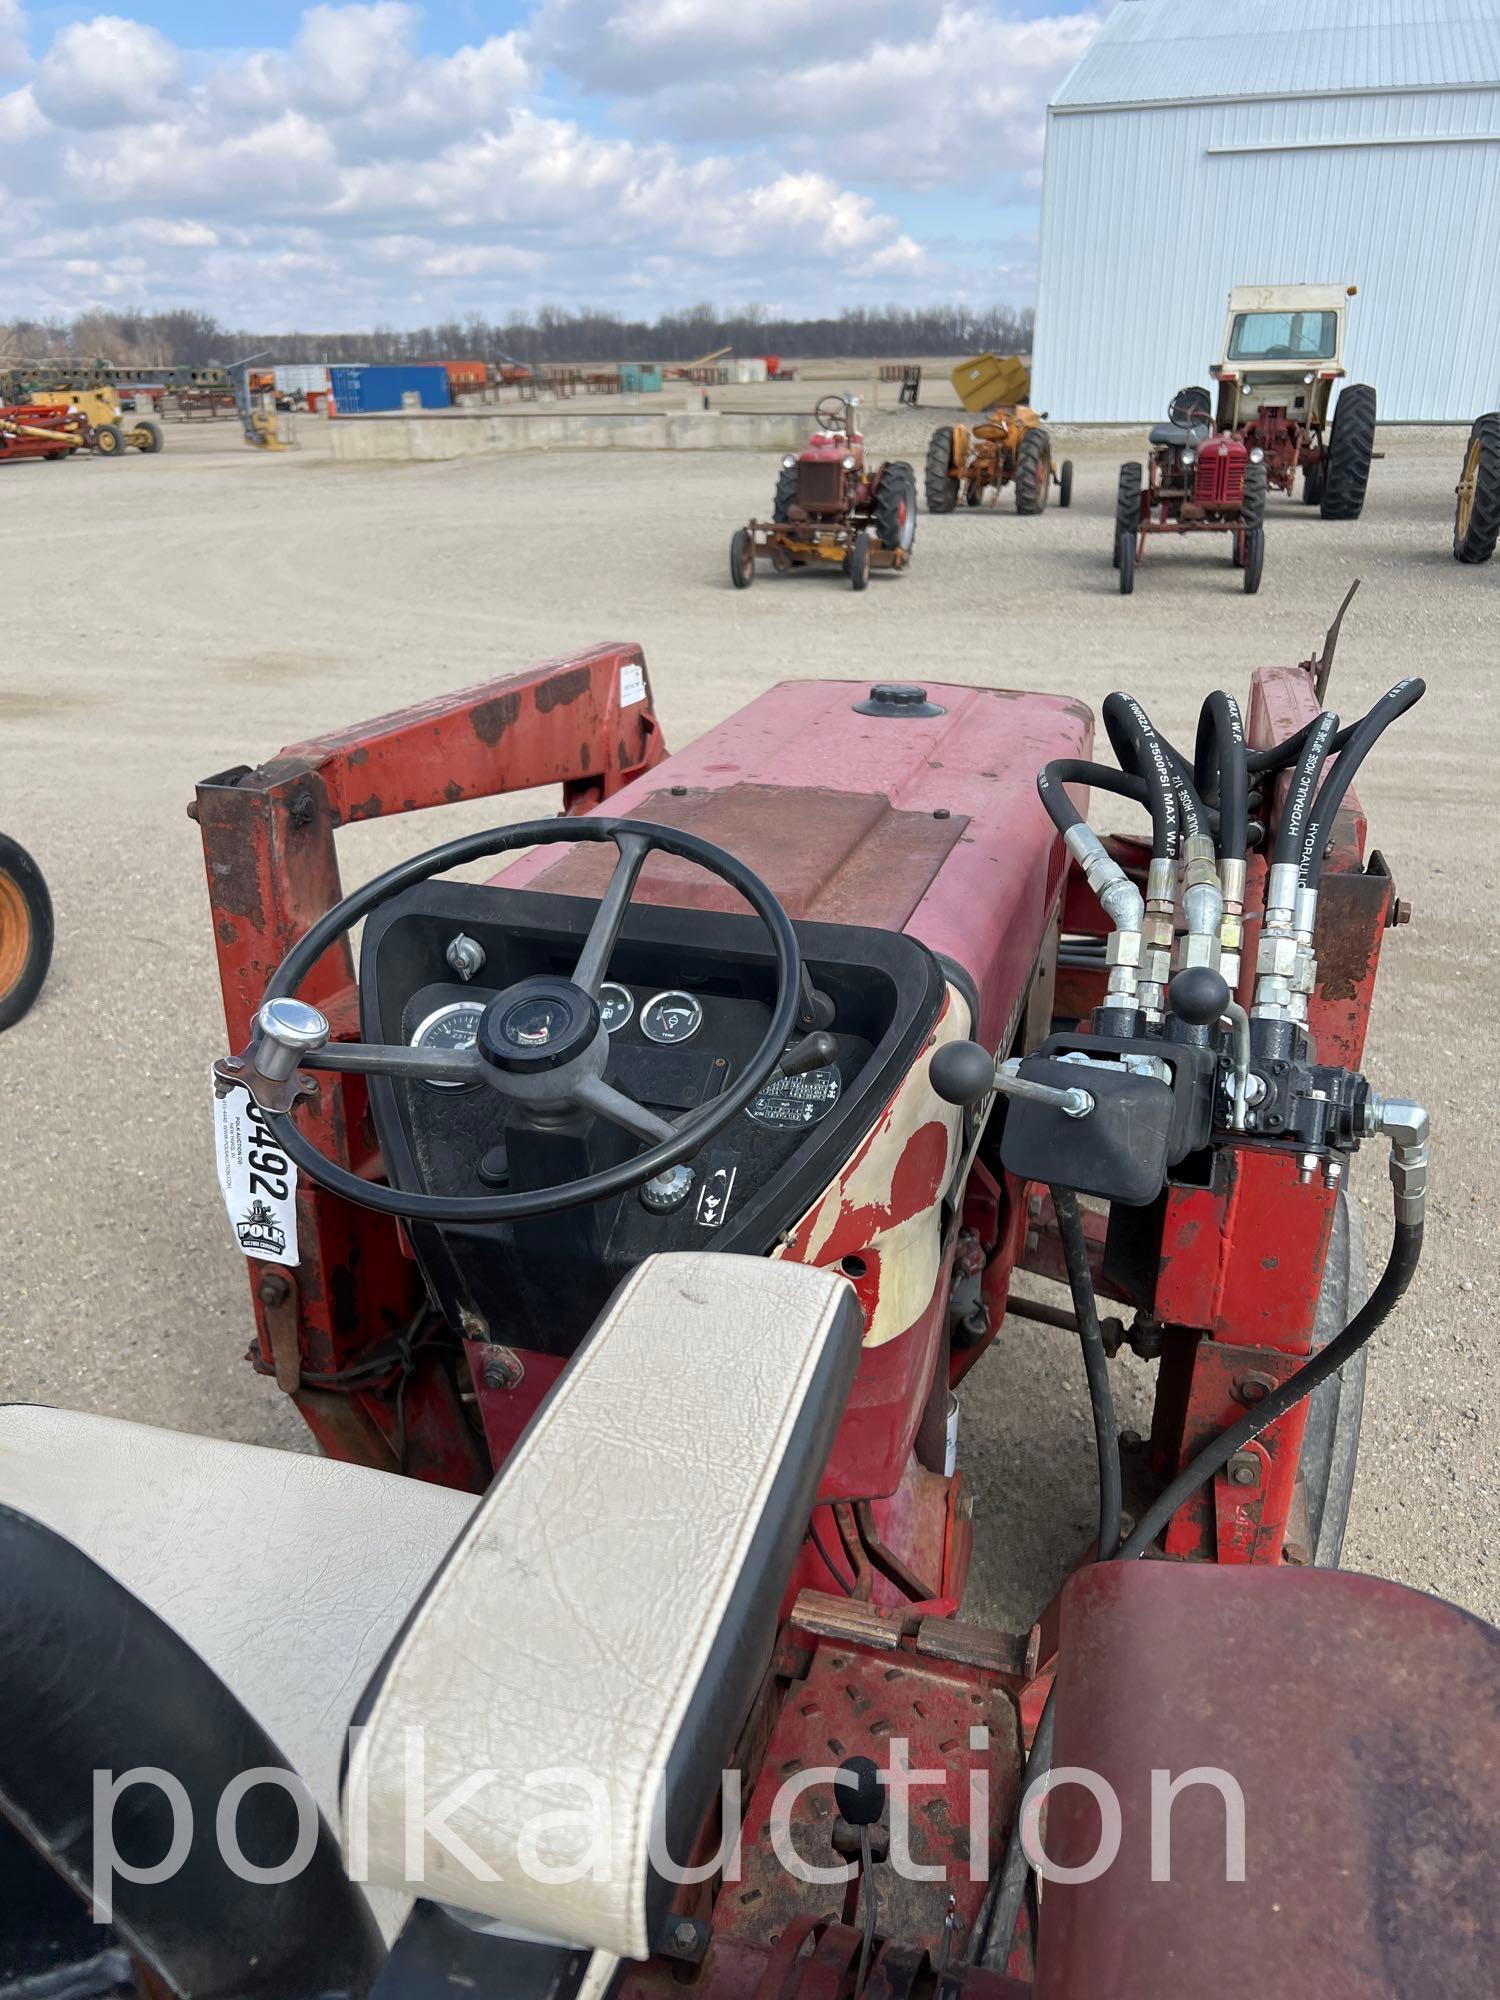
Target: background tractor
(1008,446)
(103,426)
(1476,516)
(830,508)
(1197,481)
(1283,350)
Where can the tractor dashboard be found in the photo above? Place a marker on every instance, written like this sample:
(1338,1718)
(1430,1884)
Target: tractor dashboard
(687,1001)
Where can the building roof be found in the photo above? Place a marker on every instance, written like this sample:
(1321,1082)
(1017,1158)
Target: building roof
(1171,51)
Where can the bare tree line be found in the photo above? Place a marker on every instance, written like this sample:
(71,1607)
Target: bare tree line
(185,338)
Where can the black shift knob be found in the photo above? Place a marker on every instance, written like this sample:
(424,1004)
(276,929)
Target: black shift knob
(1198,995)
(858,1791)
(962,1072)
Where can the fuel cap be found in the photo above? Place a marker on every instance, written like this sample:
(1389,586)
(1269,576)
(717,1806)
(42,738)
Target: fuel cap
(899,701)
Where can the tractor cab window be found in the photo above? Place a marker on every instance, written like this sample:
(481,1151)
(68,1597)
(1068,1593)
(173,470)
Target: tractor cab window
(1280,336)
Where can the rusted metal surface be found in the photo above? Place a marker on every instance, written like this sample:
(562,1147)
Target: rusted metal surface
(1360,1722)
(939,1717)
(268,839)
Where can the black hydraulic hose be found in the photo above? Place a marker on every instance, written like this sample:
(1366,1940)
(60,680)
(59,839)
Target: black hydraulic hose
(1075,1251)
(1099,777)
(999,1920)
(1366,732)
(1140,752)
(1003,1908)
(1300,792)
(1219,754)
(1195,815)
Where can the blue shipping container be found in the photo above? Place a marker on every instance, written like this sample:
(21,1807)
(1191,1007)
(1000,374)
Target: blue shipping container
(362,387)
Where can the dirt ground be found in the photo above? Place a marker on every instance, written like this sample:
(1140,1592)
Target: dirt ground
(169,617)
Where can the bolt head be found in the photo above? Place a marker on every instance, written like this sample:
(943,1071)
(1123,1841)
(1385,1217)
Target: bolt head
(685,1936)
(1243,1471)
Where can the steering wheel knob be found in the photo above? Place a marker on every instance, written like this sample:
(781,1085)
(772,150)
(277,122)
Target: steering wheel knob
(288,1030)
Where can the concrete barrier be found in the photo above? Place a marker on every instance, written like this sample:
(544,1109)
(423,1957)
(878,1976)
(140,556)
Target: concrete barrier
(465,433)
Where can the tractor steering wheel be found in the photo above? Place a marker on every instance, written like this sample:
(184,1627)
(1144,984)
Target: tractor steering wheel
(842,418)
(541,1044)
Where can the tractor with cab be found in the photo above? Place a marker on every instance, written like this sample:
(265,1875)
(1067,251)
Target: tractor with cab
(832,509)
(1282,353)
(1198,481)
(627,1230)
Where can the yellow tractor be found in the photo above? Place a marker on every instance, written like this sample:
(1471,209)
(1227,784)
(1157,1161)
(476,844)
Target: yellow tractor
(105,427)
(1007,447)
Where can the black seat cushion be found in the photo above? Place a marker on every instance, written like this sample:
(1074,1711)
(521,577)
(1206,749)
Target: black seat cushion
(1179,434)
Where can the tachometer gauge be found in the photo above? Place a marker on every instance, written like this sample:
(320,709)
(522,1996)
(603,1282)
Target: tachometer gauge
(789,1102)
(451,1027)
(616,1005)
(671,1017)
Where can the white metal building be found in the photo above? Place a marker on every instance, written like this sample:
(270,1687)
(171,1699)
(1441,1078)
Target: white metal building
(1200,144)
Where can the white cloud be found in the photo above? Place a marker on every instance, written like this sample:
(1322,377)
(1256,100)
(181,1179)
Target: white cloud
(640,152)
(107,71)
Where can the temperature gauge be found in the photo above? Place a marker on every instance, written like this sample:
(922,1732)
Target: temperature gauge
(616,1005)
(452,1027)
(671,1017)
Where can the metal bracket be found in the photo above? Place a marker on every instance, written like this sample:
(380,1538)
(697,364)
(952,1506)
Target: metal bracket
(277,1292)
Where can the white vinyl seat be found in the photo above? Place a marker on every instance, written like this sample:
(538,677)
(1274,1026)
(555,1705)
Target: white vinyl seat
(580,1669)
(289,1574)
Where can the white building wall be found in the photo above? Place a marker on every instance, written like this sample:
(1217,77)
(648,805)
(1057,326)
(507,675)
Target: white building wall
(1151,212)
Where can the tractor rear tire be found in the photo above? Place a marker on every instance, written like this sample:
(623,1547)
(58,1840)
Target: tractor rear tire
(857,562)
(1255,559)
(786,493)
(25,931)
(942,486)
(1476,517)
(1125,560)
(109,441)
(742,559)
(1346,461)
(1065,483)
(1127,505)
(1330,1444)
(896,507)
(1253,506)
(147,435)
(1033,471)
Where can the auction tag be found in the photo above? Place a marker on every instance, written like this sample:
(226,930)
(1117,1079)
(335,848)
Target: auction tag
(258,1180)
(632,684)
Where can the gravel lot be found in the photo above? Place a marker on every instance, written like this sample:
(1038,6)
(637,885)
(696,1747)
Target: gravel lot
(172,616)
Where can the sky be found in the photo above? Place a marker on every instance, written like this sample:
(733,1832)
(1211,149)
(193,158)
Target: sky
(337,166)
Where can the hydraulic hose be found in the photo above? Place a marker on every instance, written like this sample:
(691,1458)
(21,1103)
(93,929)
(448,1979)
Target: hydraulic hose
(1140,752)
(1098,777)
(1407,1126)
(1221,773)
(1301,791)
(1362,738)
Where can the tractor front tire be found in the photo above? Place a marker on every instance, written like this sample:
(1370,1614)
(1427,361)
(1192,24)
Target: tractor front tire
(1346,461)
(109,441)
(147,435)
(942,485)
(25,931)
(1127,506)
(1476,517)
(857,562)
(1033,471)
(742,559)
(1255,559)
(1125,560)
(1253,506)
(786,493)
(896,507)
(1065,483)
(1312,483)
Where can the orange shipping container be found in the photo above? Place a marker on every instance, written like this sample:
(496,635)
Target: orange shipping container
(466,375)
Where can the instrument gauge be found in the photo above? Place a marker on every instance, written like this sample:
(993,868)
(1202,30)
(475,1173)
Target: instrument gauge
(451,1027)
(616,1006)
(671,1017)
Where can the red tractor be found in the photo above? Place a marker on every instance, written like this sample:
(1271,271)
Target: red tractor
(1198,481)
(626,1229)
(831,509)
